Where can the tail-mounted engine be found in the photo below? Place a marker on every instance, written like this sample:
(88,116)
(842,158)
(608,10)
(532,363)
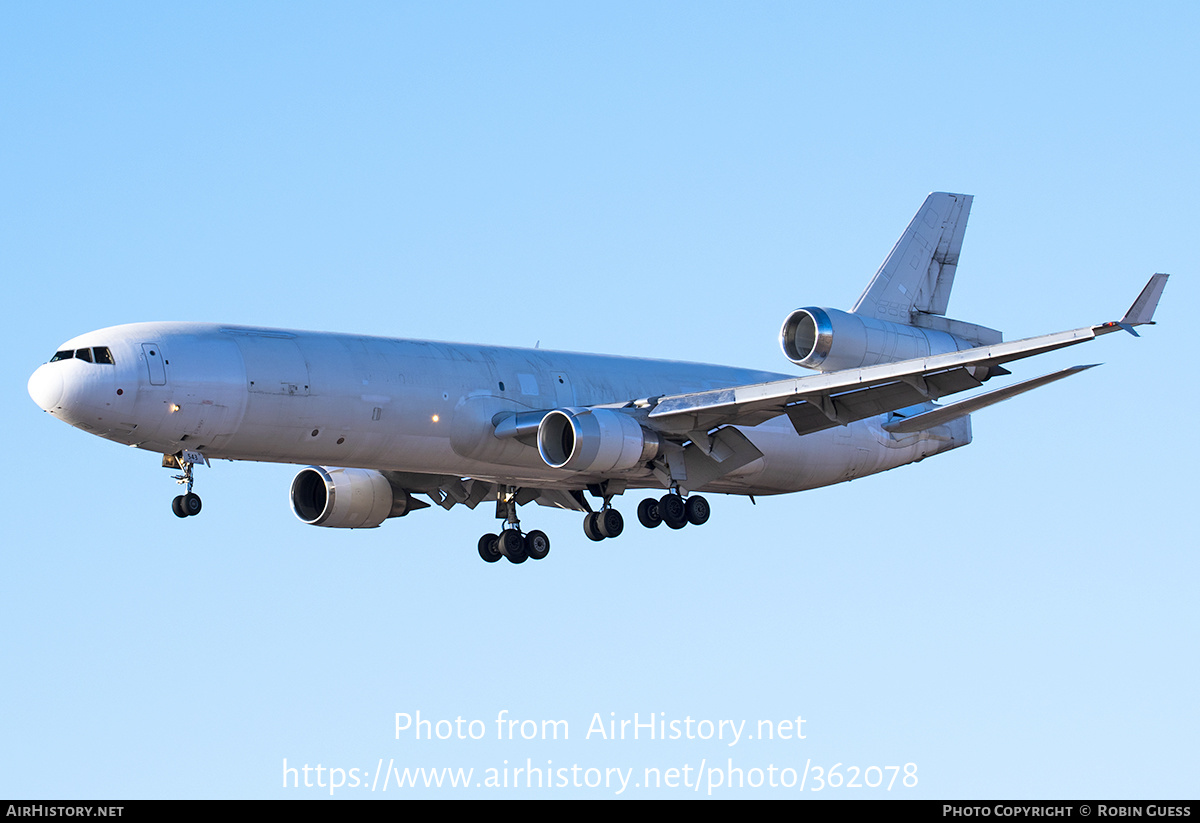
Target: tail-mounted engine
(594,440)
(829,340)
(346,498)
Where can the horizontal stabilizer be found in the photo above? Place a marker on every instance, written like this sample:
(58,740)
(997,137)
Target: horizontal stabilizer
(945,414)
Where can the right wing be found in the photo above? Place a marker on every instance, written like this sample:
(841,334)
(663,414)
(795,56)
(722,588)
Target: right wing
(821,401)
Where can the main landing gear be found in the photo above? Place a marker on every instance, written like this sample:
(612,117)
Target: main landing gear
(512,542)
(672,509)
(187,504)
(607,522)
(515,546)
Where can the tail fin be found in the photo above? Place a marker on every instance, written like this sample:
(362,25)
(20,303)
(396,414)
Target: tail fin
(918,274)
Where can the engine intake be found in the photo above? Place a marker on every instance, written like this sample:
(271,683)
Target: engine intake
(345,498)
(594,440)
(829,340)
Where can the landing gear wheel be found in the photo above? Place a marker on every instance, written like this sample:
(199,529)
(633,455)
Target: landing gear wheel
(648,514)
(698,510)
(177,507)
(537,544)
(512,545)
(487,548)
(591,529)
(610,523)
(191,504)
(673,511)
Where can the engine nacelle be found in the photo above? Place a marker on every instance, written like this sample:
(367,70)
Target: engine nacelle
(829,340)
(594,440)
(345,498)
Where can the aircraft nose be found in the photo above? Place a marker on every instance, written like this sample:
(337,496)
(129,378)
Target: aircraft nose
(46,386)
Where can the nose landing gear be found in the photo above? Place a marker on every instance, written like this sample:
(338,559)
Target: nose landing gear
(187,504)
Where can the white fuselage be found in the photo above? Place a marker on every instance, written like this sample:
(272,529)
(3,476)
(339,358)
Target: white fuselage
(420,407)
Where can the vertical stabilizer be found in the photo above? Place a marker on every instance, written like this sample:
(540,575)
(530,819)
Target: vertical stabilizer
(918,274)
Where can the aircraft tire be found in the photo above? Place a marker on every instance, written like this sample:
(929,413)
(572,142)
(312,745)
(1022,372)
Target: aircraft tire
(648,514)
(591,529)
(512,546)
(610,523)
(537,544)
(487,548)
(673,511)
(698,510)
(191,504)
(177,507)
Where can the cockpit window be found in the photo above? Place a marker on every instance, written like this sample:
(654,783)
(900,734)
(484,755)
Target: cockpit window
(99,354)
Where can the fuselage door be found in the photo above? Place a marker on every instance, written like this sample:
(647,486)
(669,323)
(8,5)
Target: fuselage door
(154,362)
(274,364)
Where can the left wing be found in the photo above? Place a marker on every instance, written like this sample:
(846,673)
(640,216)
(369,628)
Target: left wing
(839,398)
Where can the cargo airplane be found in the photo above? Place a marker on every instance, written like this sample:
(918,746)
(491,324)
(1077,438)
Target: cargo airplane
(383,421)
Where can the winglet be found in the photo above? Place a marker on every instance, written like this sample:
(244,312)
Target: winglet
(1142,310)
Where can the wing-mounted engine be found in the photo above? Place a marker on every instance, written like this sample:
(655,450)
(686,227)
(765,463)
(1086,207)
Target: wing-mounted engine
(594,441)
(830,340)
(347,498)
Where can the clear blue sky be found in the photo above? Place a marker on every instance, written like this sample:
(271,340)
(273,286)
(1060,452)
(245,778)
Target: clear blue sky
(1017,618)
